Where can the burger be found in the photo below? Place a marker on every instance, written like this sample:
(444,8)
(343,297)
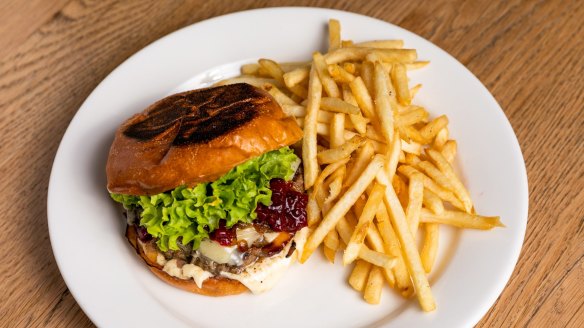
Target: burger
(211,189)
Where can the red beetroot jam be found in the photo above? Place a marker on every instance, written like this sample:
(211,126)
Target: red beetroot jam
(223,235)
(288,210)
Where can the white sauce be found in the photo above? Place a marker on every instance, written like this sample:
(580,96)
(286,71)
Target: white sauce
(258,278)
(188,271)
(262,276)
(160,259)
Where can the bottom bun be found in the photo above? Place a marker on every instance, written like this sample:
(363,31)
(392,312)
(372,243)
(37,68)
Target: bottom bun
(211,286)
(214,286)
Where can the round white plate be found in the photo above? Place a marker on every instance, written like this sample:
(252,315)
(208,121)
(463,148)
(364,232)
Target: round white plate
(115,288)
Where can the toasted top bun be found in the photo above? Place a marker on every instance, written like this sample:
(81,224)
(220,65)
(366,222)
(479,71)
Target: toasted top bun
(196,136)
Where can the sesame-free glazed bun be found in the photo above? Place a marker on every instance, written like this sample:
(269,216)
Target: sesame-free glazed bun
(214,286)
(196,136)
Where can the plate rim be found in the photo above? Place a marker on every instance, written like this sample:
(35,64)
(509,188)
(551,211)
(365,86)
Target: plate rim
(522,168)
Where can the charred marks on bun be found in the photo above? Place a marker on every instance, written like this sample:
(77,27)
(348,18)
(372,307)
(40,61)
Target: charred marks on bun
(200,116)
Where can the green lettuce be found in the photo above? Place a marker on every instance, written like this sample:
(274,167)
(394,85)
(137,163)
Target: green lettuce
(192,213)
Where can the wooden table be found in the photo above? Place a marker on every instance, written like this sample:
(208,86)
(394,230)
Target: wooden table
(529,54)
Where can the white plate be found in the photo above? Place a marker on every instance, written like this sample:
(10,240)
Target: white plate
(114,287)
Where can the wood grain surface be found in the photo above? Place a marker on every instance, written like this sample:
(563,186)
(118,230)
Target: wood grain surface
(53,53)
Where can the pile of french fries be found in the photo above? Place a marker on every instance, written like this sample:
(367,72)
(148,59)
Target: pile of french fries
(376,168)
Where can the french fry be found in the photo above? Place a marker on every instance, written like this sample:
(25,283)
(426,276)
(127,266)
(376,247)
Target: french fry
(359,275)
(290,66)
(363,157)
(337,105)
(396,55)
(346,226)
(332,240)
(414,90)
(359,53)
(337,136)
(461,220)
(309,159)
(321,199)
(430,246)
(300,112)
(391,244)
(381,44)
(272,68)
(417,65)
(401,190)
(334,28)
(449,150)
(416,195)
(342,206)
(339,74)
(435,174)
(362,227)
(336,185)
(279,96)
(410,133)
(351,68)
(393,156)
(249,69)
(400,81)
(277,73)
(433,202)
(416,115)
(330,169)
(258,82)
(255,69)
(312,210)
(362,97)
(411,147)
(372,292)
(432,186)
(411,159)
(383,106)
(458,188)
(345,230)
(430,130)
(367,76)
(409,249)
(376,258)
(329,253)
(359,122)
(329,85)
(402,157)
(343,151)
(347,43)
(293,78)
(331,244)
(440,139)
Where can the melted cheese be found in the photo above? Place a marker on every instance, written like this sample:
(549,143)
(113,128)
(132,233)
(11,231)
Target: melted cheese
(220,254)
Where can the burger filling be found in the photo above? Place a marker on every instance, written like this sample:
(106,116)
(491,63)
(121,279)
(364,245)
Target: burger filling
(245,221)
